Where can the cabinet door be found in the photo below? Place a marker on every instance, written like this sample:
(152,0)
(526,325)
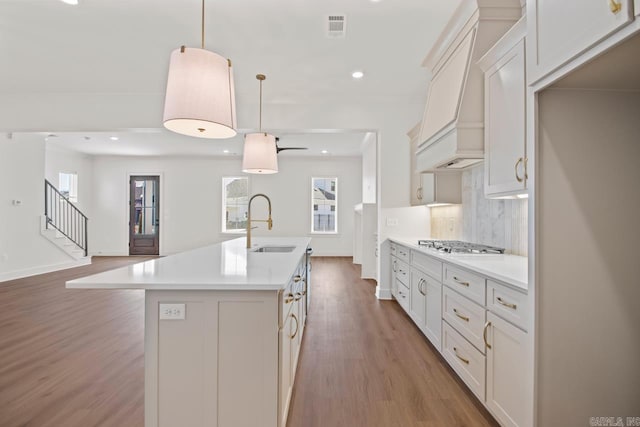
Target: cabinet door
(418,300)
(505,93)
(433,325)
(394,272)
(285,369)
(561,30)
(506,372)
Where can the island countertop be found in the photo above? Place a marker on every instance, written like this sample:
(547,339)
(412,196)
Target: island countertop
(223,266)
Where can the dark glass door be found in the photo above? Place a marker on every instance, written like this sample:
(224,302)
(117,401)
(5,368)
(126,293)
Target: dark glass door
(144,218)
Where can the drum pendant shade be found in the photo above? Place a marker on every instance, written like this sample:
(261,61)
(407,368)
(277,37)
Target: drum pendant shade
(260,154)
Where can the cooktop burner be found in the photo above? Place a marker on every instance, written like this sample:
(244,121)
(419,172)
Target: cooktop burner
(458,247)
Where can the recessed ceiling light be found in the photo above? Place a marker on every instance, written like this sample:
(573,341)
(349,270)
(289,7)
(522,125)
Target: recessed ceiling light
(357,74)
(114,138)
(225,151)
(73,2)
(324,152)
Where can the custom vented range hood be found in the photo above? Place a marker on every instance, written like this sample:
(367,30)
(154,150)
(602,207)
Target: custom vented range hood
(452,133)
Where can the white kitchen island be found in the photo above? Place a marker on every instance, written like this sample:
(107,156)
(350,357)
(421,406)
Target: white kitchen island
(223,328)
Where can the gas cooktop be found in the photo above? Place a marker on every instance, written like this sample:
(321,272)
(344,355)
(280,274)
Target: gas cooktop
(458,247)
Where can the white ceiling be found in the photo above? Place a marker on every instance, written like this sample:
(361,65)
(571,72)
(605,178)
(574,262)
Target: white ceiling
(161,142)
(123,46)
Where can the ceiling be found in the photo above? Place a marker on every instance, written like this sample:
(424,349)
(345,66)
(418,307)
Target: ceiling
(161,142)
(123,47)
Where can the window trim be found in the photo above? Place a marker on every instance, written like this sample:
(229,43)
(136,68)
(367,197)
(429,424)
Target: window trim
(223,194)
(337,205)
(75,197)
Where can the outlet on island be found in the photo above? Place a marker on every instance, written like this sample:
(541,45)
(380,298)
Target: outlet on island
(172,311)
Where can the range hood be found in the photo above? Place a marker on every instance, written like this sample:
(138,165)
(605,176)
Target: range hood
(452,133)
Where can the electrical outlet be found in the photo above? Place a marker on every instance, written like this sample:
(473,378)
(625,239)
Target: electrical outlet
(173,311)
(392,222)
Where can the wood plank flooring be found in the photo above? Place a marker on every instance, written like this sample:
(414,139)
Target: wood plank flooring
(74,358)
(365,364)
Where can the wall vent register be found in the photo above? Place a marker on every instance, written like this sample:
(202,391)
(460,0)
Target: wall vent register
(458,247)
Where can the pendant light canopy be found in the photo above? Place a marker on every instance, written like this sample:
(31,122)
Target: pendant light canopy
(200,97)
(260,155)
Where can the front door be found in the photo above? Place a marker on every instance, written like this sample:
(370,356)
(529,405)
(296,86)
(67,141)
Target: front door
(144,219)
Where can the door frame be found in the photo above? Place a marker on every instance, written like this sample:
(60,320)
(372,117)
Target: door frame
(127,186)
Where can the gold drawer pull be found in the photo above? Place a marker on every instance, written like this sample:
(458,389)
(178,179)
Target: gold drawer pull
(615,6)
(298,296)
(465,318)
(289,299)
(460,282)
(506,304)
(455,351)
(297,325)
(484,334)
(520,160)
(297,278)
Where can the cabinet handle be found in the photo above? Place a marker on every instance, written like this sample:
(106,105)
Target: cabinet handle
(520,160)
(289,298)
(401,294)
(298,296)
(526,172)
(419,193)
(395,266)
(484,334)
(460,282)
(297,278)
(297,325)
(421,284)
(455,351)
(506,304)
(465,318)
(615,6)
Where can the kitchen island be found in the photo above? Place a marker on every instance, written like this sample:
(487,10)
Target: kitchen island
(223,328)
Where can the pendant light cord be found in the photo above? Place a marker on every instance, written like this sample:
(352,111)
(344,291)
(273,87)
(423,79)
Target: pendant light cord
(260,123)
(202,24)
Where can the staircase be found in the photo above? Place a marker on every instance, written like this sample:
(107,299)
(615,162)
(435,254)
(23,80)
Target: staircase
(64,224)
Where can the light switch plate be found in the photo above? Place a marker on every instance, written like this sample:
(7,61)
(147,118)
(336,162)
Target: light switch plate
(392,222)
(173,311)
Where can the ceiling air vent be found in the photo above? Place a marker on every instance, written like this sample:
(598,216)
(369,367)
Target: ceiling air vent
(336,26)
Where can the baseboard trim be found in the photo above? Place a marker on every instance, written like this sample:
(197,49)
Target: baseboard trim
(383,293)
(34,271)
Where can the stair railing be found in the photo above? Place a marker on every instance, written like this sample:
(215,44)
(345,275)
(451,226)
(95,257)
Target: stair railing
(65,217)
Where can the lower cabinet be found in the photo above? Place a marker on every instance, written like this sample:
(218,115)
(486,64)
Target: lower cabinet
(433,325)
(506,375)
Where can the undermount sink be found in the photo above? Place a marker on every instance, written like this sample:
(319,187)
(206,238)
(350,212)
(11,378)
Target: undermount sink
(275,249)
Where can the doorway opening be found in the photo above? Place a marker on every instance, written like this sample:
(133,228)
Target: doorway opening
(144,218)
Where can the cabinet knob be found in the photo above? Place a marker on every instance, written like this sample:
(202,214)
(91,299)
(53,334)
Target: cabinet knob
(615,6)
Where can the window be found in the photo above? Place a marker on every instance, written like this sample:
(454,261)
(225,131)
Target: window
(324,200)
(68,186)
(235,198)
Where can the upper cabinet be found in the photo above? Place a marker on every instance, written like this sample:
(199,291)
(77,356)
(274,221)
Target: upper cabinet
(452,133)
(416,184)
(504,115)
(559,31)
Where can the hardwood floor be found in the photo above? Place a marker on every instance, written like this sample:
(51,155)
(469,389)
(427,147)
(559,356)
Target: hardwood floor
(74,358)
(71,358)
(364,363)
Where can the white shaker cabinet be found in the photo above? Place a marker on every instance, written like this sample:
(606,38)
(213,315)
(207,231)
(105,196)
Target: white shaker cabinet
(505,131)
(416,190)
(506,376)
(433,316)
(559,31)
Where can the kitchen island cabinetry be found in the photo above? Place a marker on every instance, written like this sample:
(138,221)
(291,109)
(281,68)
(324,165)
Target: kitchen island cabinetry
(223,328)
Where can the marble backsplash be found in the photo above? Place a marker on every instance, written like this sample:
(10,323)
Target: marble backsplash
(493,222)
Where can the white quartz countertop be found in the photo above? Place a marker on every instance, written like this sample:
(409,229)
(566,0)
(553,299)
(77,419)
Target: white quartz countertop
(223,266)
(509,269)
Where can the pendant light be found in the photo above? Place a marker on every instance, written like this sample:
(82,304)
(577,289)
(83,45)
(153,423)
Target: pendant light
(260,155)
(200,97)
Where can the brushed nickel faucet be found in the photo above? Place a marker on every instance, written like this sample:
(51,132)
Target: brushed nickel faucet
(269,221)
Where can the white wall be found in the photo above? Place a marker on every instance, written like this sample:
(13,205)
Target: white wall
(58,160)
(369,168)
(23,250)
(190,200)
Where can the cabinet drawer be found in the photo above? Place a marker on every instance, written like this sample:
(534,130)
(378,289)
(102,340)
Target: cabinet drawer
(403,295)
(427,264)
(401,271)
(468,284)
(465,359)
(403,253)
(467,317)
(507,303)
(393,249)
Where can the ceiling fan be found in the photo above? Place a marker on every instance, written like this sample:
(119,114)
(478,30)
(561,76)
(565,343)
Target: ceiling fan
(279,149)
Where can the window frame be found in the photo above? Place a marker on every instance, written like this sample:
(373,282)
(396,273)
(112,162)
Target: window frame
(223,210)
(336,205)
(73,185)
